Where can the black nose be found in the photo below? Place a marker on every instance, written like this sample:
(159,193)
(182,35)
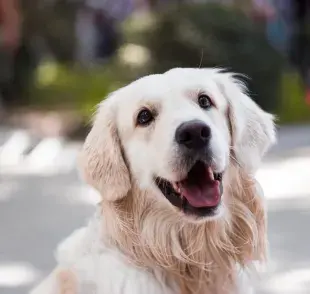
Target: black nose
(194,134)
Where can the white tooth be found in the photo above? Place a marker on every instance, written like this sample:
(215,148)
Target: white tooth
(175,186)
(211,173)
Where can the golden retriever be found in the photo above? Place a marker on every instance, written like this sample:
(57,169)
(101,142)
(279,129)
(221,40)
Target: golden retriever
(173,156)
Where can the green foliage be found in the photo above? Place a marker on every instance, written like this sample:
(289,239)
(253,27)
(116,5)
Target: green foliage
(293,108)
(60,86)
(210,35)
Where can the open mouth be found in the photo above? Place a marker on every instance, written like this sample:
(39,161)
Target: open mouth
(199,193)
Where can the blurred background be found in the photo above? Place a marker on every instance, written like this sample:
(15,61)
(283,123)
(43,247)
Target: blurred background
(58,58)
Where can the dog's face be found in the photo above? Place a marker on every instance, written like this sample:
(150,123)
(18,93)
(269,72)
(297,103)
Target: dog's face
(174,135)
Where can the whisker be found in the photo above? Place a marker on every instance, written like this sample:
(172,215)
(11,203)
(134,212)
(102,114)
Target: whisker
(201,59)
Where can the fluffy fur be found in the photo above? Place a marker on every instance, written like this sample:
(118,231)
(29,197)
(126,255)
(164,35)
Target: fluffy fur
(138,242)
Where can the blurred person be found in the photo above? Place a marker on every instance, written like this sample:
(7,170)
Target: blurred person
(85,35)
(288,30)
(278,27)
(263,9)
(10,24)
(300,44)
(107,37)
(9,44)
(96,28)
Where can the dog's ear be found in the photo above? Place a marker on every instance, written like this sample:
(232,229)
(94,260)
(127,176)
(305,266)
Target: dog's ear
(102,162)
(252,129)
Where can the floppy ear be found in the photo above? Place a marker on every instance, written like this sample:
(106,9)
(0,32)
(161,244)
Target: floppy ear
(102,162)
(253,130)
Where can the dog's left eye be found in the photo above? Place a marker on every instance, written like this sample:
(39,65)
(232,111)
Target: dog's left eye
(204,101)
(144,117)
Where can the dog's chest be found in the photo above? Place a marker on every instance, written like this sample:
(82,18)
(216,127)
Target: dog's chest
(100,270)
(108,273)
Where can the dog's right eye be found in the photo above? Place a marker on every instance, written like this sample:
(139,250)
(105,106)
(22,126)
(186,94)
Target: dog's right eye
(144,117)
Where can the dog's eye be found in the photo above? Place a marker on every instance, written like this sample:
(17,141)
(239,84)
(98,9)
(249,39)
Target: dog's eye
(204,101)
(144,117)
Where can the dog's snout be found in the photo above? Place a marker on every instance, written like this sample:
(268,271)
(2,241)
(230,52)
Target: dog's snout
(193,135)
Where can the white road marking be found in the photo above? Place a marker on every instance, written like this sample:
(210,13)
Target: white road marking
(293,281)
(11,152)
(50,156)
(67,159)
(17,274)
(283,179)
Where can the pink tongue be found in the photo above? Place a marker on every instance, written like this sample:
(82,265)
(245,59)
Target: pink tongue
(206,195)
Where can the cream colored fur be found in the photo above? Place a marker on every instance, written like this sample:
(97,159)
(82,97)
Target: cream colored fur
(138,242)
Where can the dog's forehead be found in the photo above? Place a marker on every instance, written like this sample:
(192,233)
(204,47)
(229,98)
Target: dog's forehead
(173,85)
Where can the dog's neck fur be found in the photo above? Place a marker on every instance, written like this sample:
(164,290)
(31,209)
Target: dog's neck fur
(199,257)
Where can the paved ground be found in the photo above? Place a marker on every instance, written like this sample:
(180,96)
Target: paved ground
(42,200)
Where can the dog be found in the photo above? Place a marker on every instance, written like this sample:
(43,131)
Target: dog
(173,157)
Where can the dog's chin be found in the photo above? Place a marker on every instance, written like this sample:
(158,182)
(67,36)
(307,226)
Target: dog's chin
(198,195)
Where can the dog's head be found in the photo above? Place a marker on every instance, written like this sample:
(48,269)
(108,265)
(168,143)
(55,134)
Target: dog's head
(174,135)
